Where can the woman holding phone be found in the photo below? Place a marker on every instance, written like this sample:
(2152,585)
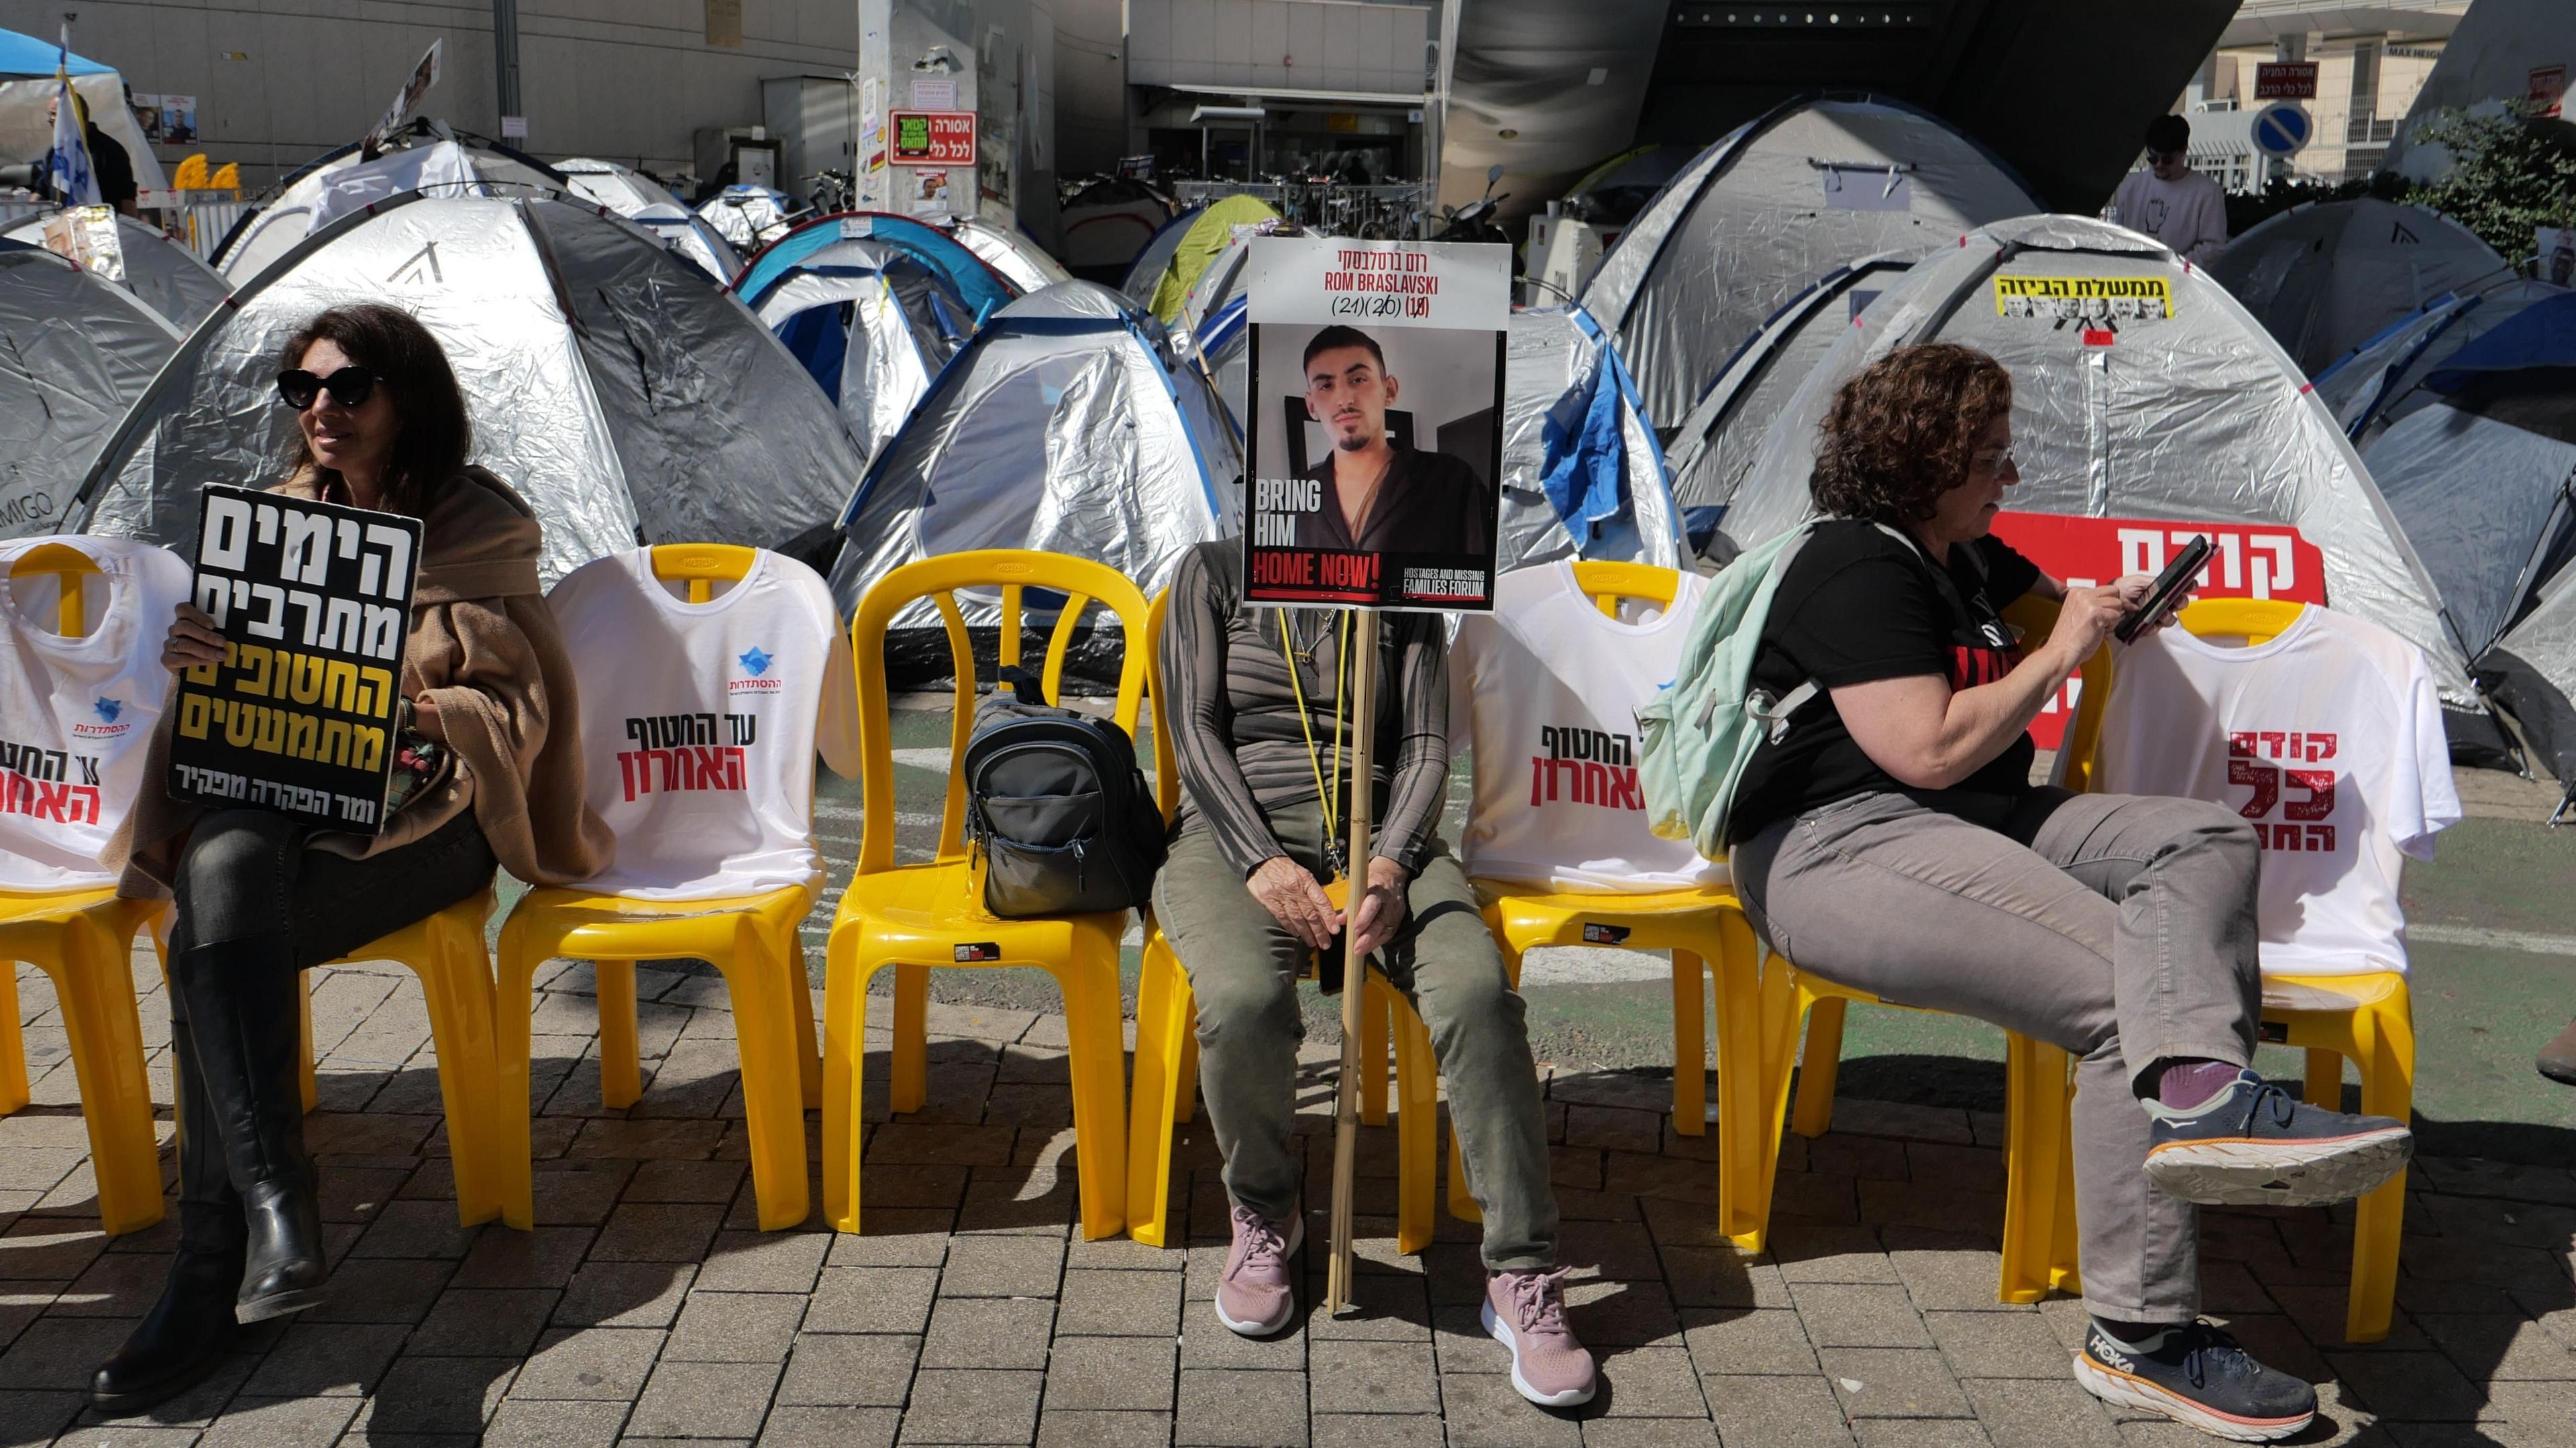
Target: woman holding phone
(488,771)
(1891,840)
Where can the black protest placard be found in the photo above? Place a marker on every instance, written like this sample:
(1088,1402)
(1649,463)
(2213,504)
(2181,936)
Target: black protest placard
(314,601)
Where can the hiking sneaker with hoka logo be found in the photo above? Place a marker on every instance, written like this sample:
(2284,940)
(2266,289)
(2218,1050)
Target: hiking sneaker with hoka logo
(2256,1145)
(2197,1376)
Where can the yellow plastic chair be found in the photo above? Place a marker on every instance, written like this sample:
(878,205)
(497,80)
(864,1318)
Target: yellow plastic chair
(2368,1019)
(753,939)
(2039,1217)
(1704,930)
(917,916)
(81,940)
(1165,1088)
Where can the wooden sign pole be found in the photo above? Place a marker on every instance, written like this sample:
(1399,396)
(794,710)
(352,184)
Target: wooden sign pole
(1346,1092)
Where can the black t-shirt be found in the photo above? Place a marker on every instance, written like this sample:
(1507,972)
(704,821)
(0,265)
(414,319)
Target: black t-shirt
(113,168)
(1857,606)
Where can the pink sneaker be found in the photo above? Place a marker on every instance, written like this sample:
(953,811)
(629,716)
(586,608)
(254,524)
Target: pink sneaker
(1526,1312)
(1256,1296)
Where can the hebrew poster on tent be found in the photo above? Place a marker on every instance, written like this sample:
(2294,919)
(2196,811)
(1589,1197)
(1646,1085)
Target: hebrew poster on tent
(314,601)
(1373,411)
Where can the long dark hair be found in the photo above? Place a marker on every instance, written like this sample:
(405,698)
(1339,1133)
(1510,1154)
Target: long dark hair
(1900,434)
(433,434)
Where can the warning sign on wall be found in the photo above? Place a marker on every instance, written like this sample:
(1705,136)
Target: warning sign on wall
(931,138)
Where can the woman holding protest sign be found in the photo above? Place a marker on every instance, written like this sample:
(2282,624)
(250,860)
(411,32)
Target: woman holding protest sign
(487,771)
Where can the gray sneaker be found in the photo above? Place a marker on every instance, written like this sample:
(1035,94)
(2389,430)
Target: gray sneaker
(2256,1145)
(1256,1296)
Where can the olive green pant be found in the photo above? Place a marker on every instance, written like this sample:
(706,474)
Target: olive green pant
(1244,967)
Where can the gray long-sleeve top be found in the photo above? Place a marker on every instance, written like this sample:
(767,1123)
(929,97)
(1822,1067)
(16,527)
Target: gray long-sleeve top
(1234,717)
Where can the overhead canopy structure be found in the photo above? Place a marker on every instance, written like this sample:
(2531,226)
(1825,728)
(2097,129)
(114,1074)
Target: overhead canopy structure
(436,160)
(2500,50)
(75,351)
(1162,277)
(641,199)
(1065,424)
(1716,443)
(872,326)
(2383,378)
(1582,475)
(2324,277)
(1765,213)
(165,275)
(1020,260)
(2193,416)
(625,396)
(27,83)
(972,278)
(2481,472)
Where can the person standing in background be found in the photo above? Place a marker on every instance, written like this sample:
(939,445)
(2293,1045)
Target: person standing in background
(107,159)
(2170,201)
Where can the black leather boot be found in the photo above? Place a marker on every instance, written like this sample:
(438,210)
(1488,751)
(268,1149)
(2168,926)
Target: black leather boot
(243,1016)
(186,1334)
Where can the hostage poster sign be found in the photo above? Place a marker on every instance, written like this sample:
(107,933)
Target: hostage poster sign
(1373,411)
(314,601)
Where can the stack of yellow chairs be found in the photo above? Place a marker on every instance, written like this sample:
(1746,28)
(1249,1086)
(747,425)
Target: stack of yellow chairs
(917,916)
(1167,1051)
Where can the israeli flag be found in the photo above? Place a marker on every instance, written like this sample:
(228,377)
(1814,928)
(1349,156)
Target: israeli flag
(68,166)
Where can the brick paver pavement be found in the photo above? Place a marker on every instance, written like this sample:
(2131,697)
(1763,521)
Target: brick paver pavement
(644,1309)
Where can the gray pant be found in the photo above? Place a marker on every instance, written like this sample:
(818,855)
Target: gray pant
(1244,967)
(2125,933)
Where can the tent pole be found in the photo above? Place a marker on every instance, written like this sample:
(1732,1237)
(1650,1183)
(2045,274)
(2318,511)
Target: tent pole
(1346,1086)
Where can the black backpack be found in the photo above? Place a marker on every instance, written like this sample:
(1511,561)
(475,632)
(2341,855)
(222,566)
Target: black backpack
(1056,803)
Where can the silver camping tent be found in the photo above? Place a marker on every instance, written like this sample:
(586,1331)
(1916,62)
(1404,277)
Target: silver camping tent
(872,326)
(657,409)
(1763,214)
(438,161)
(2323,277)
(747,217)
(2167,402)
(2478,462)
(1065,424)
(1014,254)
(75,351)
(165,275)
(642,200)
(1715,444)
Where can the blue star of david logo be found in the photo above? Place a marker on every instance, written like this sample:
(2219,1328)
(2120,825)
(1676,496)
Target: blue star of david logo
(755,661)
(108,708)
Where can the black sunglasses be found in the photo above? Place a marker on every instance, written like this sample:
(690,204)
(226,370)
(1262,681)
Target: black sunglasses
(349,387)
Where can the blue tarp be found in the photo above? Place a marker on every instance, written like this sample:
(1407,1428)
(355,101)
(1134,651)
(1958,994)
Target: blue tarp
(22,56)
(1586,468)
(949,260)
(2540,335)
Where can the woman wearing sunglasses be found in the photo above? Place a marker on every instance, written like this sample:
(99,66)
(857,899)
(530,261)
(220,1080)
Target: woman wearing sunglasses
(488,772)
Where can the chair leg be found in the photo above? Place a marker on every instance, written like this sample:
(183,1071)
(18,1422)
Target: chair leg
(95,987)
(772,1090)
(1162,1024)
(1690,1046)
(908,1083)
(513,997)
(1376,1004)
(13,1043)
(845,1034)
(2386,1038)
(1097,1058)
(1417,1126)
(1759,1046)
(2324,1084)
(456,983)
(2034,1142)
(621,1065)
(1818,1066)
(305,1084)
(1185,1092)
(800,998)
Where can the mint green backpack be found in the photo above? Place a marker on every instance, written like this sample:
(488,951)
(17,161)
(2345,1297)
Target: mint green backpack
(1700,730)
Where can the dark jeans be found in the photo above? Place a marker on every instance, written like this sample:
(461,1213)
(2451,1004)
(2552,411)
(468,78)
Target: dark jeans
(247,876)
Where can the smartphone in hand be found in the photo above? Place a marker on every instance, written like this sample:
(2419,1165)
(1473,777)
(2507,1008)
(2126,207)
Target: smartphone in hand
(2171,584)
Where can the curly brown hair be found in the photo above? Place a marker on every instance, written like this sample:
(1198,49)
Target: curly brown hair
(1899,435)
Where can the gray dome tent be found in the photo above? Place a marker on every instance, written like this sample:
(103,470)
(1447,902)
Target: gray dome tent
(1715,445)
(166,276)
(2196,415)
(1766,212)
(441,162)
(872,325)
(2324,277)
(656,410)
(75,351)
(644,201)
